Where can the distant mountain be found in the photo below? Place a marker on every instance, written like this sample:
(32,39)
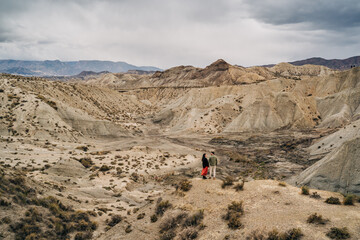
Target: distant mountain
(19,71)
(59,68)
(338,64)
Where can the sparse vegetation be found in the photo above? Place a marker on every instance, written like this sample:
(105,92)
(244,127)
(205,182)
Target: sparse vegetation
(282,184)
(239,186)
(315,195)
(104,168)
(316,219)
(189,233)
(233,215)
(161,207)
(305,190)
(291,234)
(338,233)
(349,200)
(195,219)
(154,218)
(228,181)
(86,162)
(115,219)
(185,185)
(333,200)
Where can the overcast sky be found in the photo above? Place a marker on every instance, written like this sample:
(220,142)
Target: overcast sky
(166,33)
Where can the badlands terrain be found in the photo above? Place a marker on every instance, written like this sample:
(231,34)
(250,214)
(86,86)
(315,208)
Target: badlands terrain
(118,156)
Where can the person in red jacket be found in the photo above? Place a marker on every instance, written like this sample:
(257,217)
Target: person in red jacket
(205,164)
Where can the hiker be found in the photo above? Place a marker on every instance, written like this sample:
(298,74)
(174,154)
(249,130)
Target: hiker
(205,164)
(213,163)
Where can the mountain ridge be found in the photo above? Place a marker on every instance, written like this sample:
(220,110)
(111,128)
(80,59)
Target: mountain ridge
(66,68)
(337,64)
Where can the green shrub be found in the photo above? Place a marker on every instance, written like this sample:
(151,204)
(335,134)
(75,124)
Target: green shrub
(349,200)
(333,200)
(305,190)
(228,181)
(316,219)
(338,233)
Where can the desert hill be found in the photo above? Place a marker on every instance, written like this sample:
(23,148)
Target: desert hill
(109,146)
(336,64)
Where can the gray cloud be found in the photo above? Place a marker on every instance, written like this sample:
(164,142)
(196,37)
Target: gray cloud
(167,33)
(318,14)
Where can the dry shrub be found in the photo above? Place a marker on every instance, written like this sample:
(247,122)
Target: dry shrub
(239,186)
(195,219)
(189,233)
(228,181)
(316,219)
(104,168)
(282,184)
(161,207)
(185,185)
(333,200)
(315,195)
(338,233)
(86,162)
(115,219)
(233,215)
(153,218)
(292,234)
(168,235)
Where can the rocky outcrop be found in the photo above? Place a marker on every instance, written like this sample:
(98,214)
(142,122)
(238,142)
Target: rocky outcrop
(339,171)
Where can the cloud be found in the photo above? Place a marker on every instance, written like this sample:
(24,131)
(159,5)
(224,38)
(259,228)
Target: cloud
(320,14)
(178,32)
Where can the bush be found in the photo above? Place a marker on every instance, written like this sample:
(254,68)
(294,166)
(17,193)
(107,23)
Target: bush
(115,219)
(153,218)
(140,216)
(292,234)
(171,223)
(162,207)
(185,185)
(83,236)
(305,190)
(234,220)
(86,162)
(349,200)
(168,235)
(83,148)
(239,186)
(228,181)
(189,233)
(104,168)
(282,184)
(315,195)
(316,219)
(338,233)
(333,200)
(233,215)
(195,219)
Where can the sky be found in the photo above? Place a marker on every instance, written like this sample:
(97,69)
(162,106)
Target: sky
(167,33)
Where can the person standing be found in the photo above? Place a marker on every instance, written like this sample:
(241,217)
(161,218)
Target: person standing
(213,163)
(205,164)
